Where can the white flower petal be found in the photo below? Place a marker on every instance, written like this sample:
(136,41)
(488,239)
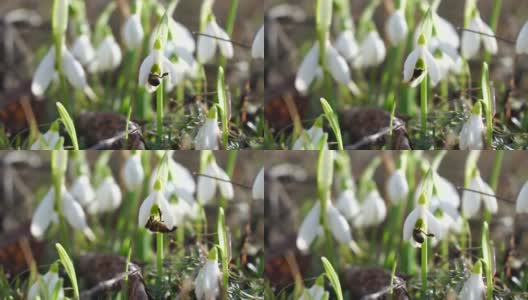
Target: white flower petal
(133,33)
(338,225)
(471,40)
(207,45)
(409,224)
(181,177)
(432,68)
(396,27)
(82,190)
(133,173)
(73,70)
(44,74)
(521,46)
(43,215)
(307,70)
(521,205)
(309,229)
(347,45)
(83,50)
(144,70)
(490,43)
(410,65)
(207,185)
(74,214)
(145,209)
(337,65)
(348,204)
(257,191)
(257,49)
(225,185)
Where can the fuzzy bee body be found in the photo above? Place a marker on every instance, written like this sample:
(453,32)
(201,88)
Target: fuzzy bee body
(158,226)
(419,235)
(155,79)
(417,73)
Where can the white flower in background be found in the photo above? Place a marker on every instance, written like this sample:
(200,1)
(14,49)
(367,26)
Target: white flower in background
(257,49)
(71,68)
(521,206)
(156,206)
(335,63)
(157,65)
(207,45)
(397,187)
(83,50)
(471,135)
(108,56)
(373,211)
(50,140)
(521,46)
(471,40)
(471,200)
(347,204)
(209,134)
(316,292)
(181,182)
(474,287)
(372,51)
(182,210)
(396,27)
(311,138)
(418,64)
(311,228)
(181,36)
(347,45)
(454,61)
(133,33)
(257,191)
(71,209)
(45,287)
(444,31)
(215,177)
(108,197)
(82,190)
(133,173)
(207,283)
(420,223)
(444,204)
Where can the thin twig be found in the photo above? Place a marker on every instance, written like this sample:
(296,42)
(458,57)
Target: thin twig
(485,194)
(222,39)
(485,34)
(224,180)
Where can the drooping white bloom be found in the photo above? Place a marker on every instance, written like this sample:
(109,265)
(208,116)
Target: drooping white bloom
(521,206)
(372,51)
(208,135)
(44,288)
(207,283)
(521,46)
(83,50)
(218,37)
(181,182)
(311,228)
(108,56)
(156,201)
(474,287)
(471,40)
(444,31)
(71,209)
(215,177)
(373,211)
(257,191)
(471,135)
(347,45)
(71,68)
(311,138)
(471,200)
(396,27)
(82,190)
(335,63)
(133,173)
(397,187)
(419,223)
(347,204)
(133,33)
(50,140)
(158,65)
(108,197)
(257,49)
(453,62)
(418,64)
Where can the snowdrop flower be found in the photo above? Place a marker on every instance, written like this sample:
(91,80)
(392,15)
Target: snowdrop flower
(71,209)
(50,140)
(311,138)
(521,206)
(133,173)
(444,31)
(373,211)
(474,287)
(521,46)
(207,44)
(257,49)
(471,40)
(372,51)
(471,200)
(334,62)
(156,206)
(108,56)
(396,27)
(107,197)
(208,135)
(82,190)
(155,67)
(311,228)
(347,204)
(420,224)
(397,187)
(471,136)
(420,63)
(316,292)
(347,45)
(133,33)
(257,191)
(44,288)
(71,69)
(215,177)
(83,50)
(181,182)
(207,283)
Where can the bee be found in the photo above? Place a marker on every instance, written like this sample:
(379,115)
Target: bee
(417,73)
(419,235)
(156,225)
(155,79)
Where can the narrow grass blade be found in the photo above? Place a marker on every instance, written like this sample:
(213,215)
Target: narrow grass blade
(68,123)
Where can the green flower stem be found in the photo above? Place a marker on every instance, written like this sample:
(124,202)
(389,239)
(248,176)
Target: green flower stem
(495,172)
(494,22)
(230,24)
(423,104)
(424,266)
(159,255)
(159,112)
(123,83)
